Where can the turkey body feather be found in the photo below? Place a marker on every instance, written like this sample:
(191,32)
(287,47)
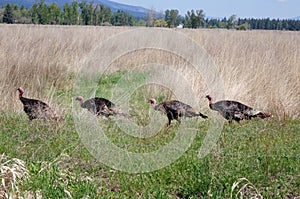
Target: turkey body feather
(100,106)
(233,110)
(175,109)
(36,109)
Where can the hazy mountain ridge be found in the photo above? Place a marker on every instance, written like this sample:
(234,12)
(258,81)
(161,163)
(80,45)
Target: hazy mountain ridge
(137,11)
(296,18)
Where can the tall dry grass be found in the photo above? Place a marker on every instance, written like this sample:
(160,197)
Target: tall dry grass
(259,68)
(42,59)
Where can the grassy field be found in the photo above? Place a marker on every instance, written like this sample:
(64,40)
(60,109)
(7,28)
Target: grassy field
(256,159)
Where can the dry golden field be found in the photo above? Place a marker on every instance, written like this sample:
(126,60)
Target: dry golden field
(259,68)
(53,159)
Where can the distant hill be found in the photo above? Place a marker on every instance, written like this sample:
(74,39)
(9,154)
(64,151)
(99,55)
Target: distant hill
(296,18)
(137,11)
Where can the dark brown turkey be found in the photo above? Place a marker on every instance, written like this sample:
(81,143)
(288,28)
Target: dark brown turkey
(175,109)
(233,110)
(100,106)
(36,109)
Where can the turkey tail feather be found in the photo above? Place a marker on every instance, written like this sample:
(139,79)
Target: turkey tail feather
(203,116)
(53,115)
(263,115)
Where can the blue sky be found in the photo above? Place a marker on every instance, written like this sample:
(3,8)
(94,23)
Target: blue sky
(221,8)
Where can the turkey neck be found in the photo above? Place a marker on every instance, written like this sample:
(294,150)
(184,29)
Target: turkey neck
(81,102)
(153,104)
(20,95)
(210,102)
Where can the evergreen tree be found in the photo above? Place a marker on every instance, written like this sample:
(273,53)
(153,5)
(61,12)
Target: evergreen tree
(54,14)
(39,13)
(121,18)
(34,14)
(42,13)
(86,12)
(75,15)
(8,16)
(67,14)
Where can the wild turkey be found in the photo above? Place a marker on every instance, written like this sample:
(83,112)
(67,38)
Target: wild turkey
(36,109)
(233,110)
(175,109)
(100,106)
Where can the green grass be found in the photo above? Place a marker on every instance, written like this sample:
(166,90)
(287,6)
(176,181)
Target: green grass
(267,153)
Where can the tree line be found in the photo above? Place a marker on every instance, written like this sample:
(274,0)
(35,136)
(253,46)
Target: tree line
(252,23)
(85,13)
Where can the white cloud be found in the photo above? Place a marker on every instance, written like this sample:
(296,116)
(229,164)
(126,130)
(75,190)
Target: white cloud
(282,1)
